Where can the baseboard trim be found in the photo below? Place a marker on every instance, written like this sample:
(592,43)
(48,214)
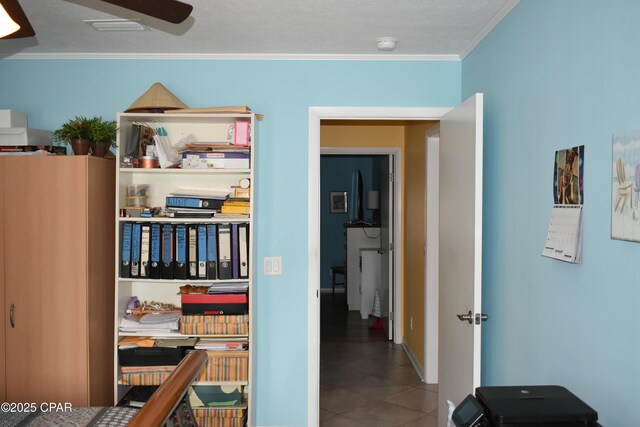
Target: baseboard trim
(414,361)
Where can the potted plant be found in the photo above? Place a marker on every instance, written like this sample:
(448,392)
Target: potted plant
(77,132)
(102,135)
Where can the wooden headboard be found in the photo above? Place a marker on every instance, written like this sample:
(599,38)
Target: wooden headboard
(157,410)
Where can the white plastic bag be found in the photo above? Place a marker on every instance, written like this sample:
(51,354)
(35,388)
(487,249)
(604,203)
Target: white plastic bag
(168,155)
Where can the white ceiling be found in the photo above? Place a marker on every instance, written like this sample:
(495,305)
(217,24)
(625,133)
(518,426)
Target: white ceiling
(429,29)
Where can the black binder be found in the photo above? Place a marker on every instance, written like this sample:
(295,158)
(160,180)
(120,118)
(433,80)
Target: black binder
(180,268)
(212,251)
(168,252)
(224,252)
(154,251)
(125,250)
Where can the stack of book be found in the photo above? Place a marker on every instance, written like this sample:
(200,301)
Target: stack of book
(235,208)
(194,204)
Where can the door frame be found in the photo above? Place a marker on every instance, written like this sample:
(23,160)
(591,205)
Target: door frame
(316,114)
(396,152)
(431,238)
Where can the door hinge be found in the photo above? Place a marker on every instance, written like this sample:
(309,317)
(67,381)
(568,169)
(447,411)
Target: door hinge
(391,316)
(391,177)
(390,246)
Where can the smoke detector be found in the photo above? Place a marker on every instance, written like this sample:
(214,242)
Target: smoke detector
(387,43)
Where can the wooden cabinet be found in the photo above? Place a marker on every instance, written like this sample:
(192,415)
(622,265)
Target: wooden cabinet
(58,252)
(159,183)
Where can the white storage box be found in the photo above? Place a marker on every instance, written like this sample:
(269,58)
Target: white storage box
(24,136)
(12,119)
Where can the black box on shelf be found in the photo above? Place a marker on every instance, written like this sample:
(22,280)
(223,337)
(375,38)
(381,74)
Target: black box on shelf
(150,356)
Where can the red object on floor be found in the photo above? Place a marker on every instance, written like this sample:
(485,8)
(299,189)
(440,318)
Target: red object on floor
(375,323)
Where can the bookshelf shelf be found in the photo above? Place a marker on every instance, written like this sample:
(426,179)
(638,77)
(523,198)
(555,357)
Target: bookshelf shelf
(164,286)
(183,220)
(178,171)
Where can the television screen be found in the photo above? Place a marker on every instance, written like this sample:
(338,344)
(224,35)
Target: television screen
(356,207)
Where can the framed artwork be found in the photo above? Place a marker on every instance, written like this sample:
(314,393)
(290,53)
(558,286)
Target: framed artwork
(625,186)
(338,202)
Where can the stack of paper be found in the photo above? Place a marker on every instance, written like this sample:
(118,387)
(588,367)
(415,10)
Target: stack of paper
(229,288)
(154,323)
(211,344)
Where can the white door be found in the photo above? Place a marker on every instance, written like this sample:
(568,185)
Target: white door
(386,244)
(460,257)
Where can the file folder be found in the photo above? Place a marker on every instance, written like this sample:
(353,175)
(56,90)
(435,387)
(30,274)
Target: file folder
(125,249)
(144,251)
(154,250)
(235,253)
(192,255)
(180,268)
(212,252)
(202,251)
(135,249)
(224,252)
(168,251)
(243,238)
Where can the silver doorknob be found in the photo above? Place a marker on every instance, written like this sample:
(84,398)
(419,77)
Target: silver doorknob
(468,317)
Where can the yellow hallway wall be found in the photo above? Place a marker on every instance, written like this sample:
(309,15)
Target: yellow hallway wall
(414,242)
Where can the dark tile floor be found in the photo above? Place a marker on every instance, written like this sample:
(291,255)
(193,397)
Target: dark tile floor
(365,380)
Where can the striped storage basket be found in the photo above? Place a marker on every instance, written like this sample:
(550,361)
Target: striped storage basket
(226,366)
(145,375)
(220,417)
(215,325)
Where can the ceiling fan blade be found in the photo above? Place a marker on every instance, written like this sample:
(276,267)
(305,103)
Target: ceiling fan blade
(167,10)
(17,14)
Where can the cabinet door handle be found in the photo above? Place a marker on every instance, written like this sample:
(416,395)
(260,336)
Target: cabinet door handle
(13,324)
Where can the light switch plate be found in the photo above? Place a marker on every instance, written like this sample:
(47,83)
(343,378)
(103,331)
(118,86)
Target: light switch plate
(273,266)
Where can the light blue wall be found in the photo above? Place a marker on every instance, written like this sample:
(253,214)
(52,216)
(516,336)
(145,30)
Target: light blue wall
(557,74)
(335,175)
(52,91)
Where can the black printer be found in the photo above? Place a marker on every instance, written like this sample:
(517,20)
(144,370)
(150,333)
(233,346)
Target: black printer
(524,406)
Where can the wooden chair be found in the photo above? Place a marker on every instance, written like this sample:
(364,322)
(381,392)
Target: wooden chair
(161,405)
(625,191)
(335,270)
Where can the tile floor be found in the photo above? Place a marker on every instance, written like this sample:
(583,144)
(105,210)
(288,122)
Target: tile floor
(366,380)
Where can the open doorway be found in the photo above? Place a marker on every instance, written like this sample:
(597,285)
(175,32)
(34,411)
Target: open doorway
(362,373)
(460,230)
(390,117)
(357,232)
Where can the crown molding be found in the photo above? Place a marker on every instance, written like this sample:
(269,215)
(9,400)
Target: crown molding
(493,22)
(232,57)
